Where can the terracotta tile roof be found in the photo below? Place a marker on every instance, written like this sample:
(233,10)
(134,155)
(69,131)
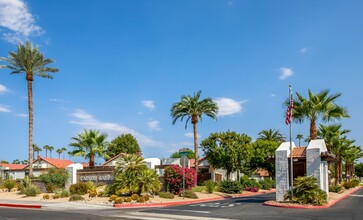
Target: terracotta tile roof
(85,164)
(299,152)
(262,172)
(13,166)
(58,163)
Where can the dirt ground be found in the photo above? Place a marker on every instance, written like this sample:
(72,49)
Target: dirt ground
(104,200)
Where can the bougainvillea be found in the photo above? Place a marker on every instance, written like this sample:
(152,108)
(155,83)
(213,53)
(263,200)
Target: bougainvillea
(174,179)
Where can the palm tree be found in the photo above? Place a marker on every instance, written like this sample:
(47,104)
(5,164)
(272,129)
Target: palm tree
(330,132)
(46,148)
(29,60)
(352,154)
(271,135)
(317,106)
(193,108)
(340,147)
(64,150)
(69,155)
(37,149)
(60,151)
(90,143)
(51,148)
(299,136)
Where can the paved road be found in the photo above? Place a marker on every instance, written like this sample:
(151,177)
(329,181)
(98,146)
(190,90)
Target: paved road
(252,208)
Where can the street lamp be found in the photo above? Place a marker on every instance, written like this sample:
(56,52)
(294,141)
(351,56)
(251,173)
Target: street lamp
(184,162)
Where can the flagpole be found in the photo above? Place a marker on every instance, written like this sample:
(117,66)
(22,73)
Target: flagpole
(291,159)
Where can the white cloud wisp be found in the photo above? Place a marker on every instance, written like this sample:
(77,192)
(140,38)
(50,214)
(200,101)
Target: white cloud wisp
(154,125)
(3,89)
(285,72)
(149,104)
(228,106)
(4,108)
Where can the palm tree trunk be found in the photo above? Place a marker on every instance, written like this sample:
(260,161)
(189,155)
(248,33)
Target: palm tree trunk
(196,162)
(30,108)
(313,131)
(340,170)
(336,167)
(92,160)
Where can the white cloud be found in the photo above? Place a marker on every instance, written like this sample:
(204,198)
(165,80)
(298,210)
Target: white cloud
(15,16)
(285,72)
(3,89)
(228,106)
(113,129)
(57,100)
(4,108)
(148,104)
(191,135)
(154,125)
(273,95)
(303,50)
(21,115)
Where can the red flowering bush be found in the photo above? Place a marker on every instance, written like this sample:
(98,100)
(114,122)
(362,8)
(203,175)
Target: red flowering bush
(174,179)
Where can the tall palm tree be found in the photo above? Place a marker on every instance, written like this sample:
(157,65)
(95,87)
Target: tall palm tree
(60,151)
(51,148)
(64,150)
(193,108)
(89,144)
(339,148)
(299,136)
(317,106)
(29,60)
(37,149)
(271,135)
(46,148)
(352,154)
(70,153)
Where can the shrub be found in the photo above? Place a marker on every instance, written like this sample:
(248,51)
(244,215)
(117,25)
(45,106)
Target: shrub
(166,195)
(118,200)
(252,189)
(248,183)
(9,184)
(141,200)
(189,194)
(230,187)
(347,185)
(91,186)
(128,199)
(355,182)
(146,197)
(46,196)
(209,186)
(307,191)
(174,178)
(55,196)
(113,198)
(54,178)
(31,190)
(335,189)
(76,197)
(267,184)
(92,194)
(198,189)
(134,197)
(78,188)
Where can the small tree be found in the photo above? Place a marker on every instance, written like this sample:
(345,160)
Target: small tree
(174,179)
(125,143)
(359,170)
(55,178)
(260,150)
(176,154)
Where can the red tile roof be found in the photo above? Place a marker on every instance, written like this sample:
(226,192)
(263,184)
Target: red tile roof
(58,163)
(299,152)
(13,166)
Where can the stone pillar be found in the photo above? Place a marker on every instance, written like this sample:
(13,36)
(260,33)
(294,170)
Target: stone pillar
(314,166)
(282,170)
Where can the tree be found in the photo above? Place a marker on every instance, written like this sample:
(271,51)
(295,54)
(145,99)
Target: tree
(24,162)
(64,150)
(51,148)
(46,148)
(271,135)
(37,149)
(176,154)
(4,161)
(359,170)
(227,150)
(299,136)
(133,176)
(125,143)
(193,109)
(351,155)
(317,106)
(29,60)
(16,161)
(89,144)
(60,151)
(260,150)
(69,155)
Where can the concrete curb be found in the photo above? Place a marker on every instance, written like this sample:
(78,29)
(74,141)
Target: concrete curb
(20,206)
(330,204)
(166,204)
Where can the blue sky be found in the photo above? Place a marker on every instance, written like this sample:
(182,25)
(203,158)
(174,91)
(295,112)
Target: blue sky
(124,63)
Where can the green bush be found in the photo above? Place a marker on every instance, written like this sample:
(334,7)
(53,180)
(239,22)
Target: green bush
(355,182)
(46,196)
(198,189)
(141,200)
(9,184)
(307,191)
(76,197)
(55,196)
(134,197)
(248,183)
(230,187)
(113,198)
(347,185)
(54,178)
(267,184)
(189,194)
(31,190)
(128,199)
(146,197)
(63,193)
(91,186)
(335,189)
(119,200)
(209,186)
(166,195)
(92,194)
(78,188)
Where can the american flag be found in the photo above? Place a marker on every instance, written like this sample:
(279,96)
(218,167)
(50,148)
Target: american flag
(288,119)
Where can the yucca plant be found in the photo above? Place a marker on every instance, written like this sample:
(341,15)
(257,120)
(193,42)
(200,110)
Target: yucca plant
(307,191)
